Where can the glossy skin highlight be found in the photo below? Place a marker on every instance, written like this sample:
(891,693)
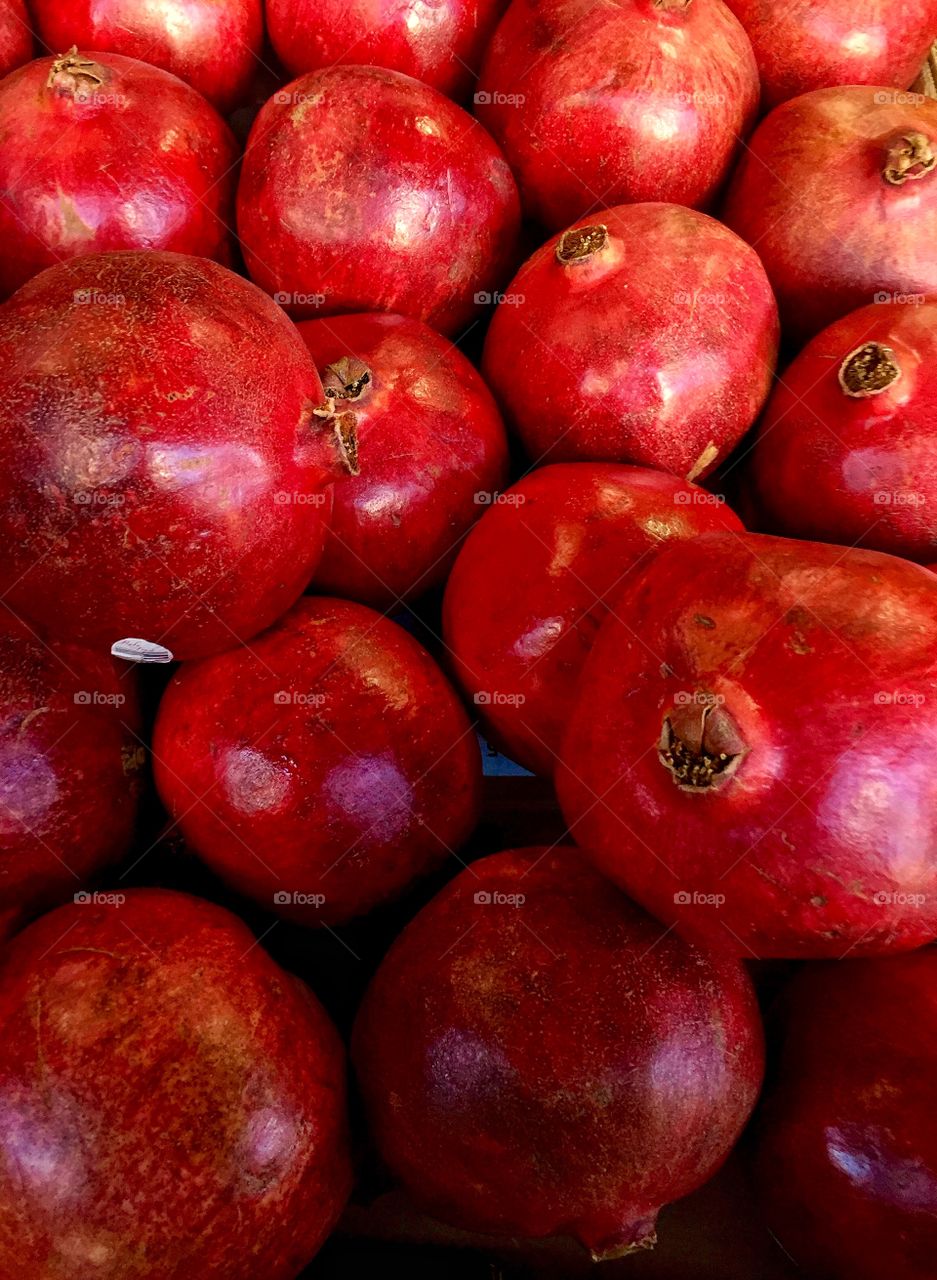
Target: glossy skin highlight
(330,758)
(16,37)
(172,1102)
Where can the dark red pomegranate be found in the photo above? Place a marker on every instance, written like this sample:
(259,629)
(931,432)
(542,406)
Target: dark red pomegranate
(433,452)
(162,472)
(16,37)
(214,46)
(802,45)
(324,767)
(646,334)
(838,192)
(602,104)
(108,154)
(847,449)
(538,1057)
(363,190)
(847,1158)
(760,746)
(440,42)
(537,575)
(172,1103)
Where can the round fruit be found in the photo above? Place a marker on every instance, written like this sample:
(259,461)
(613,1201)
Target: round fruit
(661,355)
(602,104)
(172,1101)
(760,748)
(432,445)
(363,190)
(16,37)
(537,575)
(324,767)
(838,192)
(162,473)
(539,1057)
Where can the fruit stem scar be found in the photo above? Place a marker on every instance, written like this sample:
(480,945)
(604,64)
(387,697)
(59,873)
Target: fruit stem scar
(74,65)
(869,370)
(581,243)
(696,767)
(908,156)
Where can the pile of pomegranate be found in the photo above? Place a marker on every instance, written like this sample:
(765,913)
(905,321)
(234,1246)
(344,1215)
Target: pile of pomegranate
(468,639)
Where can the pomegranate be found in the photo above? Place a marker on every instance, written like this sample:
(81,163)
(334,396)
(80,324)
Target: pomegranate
(324,767)
(754,764)
(363,190)
(108,154)
(848,1141)
(598,104)
(213,46)
(538,1057)
(162,473)
(171,1101)
(440,42)
(801,45)
(838,192)
(854,414)
(536,577)
(432,443)
(16,37)
(662,357)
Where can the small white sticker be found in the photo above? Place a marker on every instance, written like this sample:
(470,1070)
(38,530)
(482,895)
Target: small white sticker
(133,650)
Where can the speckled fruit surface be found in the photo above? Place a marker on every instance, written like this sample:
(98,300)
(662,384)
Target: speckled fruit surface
(16,37)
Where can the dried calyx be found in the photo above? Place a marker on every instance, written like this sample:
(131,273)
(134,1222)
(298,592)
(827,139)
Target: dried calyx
(581,243)
(908,156)
(869,370)
(344,382)
(73,70)
(700,747)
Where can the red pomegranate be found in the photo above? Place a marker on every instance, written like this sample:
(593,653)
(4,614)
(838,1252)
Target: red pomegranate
(663,358)
(855,416)
(162,472)
(171,1102)
(324,767)
(760,747)
(801,45)
(363,190)
(599,104)
(117,155)
(16,37)
(70,766)
(215,47)
(539,1057)
(838,192)
(433,450)
(440,42)
(537,575)
(847,1157)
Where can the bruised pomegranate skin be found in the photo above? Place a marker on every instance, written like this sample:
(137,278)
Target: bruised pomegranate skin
(646,334)
(539,1057)
(599,104)
(173,1102)
(215,47)
(762,745)
(324,767)
(847,1150)
(363,190)
(162,473)
(854,415)
(837,190)
(536,577)
(432,446)
(801,45)
(16,37)
(440,43)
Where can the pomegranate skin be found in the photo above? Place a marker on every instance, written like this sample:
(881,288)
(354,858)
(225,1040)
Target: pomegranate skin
(173,1102)
(363,190)
(660,358)
(847,1153)
(214,47)
(832,230)
(16,37)
(536,577)
(855,414)
(71,763)
(104,152)
(432,447)
(620,101)
(440,43)
(329,759)
(760,747)
(162,474)
(801,45)
(566,1069)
